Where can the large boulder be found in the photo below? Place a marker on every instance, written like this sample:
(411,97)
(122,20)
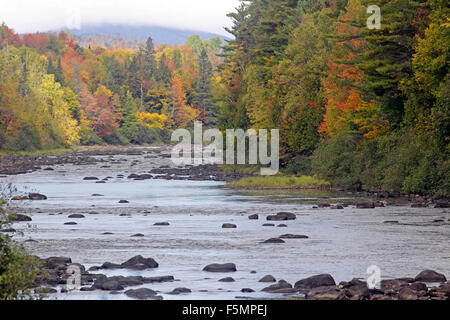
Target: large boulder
(325,293)
(430,276)
(268,278)
(142,293)
(108,285)
(57,262)
(216,267)
(358,292)
(177,291)
(275,288)
(140,263)
(281,216)
(321,280)
(407,293)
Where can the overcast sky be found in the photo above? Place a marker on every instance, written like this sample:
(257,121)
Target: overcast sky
(44,15)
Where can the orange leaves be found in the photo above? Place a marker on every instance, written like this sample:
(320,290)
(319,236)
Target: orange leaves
(99,110)
(182,113)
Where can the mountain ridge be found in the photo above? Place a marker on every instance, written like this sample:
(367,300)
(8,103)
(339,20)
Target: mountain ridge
(140,33)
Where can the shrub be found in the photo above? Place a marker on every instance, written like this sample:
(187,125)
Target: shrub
(18,269)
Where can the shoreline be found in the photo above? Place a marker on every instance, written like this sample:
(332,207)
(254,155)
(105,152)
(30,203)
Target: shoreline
(14,164)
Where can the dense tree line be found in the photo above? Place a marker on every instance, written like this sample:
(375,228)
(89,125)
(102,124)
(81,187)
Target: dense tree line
(364,108)
(55,93)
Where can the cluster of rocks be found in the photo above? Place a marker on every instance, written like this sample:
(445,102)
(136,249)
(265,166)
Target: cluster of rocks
(323,287)
(135,263)
(420,202)
(196,173)
(19,164)
(57,270)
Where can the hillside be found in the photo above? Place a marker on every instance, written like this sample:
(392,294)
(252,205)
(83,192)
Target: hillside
(130,36)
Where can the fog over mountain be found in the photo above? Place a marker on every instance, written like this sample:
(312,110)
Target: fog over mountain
(137,34)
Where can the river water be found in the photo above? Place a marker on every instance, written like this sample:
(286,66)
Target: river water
(343,243)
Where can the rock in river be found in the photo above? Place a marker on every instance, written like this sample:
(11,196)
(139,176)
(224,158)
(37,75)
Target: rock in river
(274,240)
(280,216)
(177,291)
(90,178)
(216,267)
(140,263)
(229,226)
(135,263)
(320,280)
(293,236)
(142,293)
(161,224)
(76,216)
(278,286)
(253,217)
(36,196)
(227,279)
(430,276)
(268,278)
(20,217)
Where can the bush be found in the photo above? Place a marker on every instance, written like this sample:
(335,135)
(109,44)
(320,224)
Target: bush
(401,161)
(18,269)
(139,134)
(337,160)
(89,138)
(116,138)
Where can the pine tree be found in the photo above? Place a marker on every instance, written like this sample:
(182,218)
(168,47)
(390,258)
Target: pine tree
(387,61)
(203,89)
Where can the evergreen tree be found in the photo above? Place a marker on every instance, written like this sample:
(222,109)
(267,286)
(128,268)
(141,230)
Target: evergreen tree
(164,75)
(387,61)
(203,89)
(130,125)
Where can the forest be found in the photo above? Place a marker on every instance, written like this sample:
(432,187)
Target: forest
(55,93)
(359,107)
(363,108)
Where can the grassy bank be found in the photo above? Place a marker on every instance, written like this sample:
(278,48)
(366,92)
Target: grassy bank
(36,152)
(280,182)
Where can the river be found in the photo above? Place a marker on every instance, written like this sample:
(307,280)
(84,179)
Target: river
(343,243)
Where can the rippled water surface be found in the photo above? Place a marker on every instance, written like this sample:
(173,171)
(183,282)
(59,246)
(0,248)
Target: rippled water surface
(343,243)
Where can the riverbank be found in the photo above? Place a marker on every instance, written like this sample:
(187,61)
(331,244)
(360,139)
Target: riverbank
(280,182)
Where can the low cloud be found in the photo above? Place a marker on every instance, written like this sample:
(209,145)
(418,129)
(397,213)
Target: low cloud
(45,15)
